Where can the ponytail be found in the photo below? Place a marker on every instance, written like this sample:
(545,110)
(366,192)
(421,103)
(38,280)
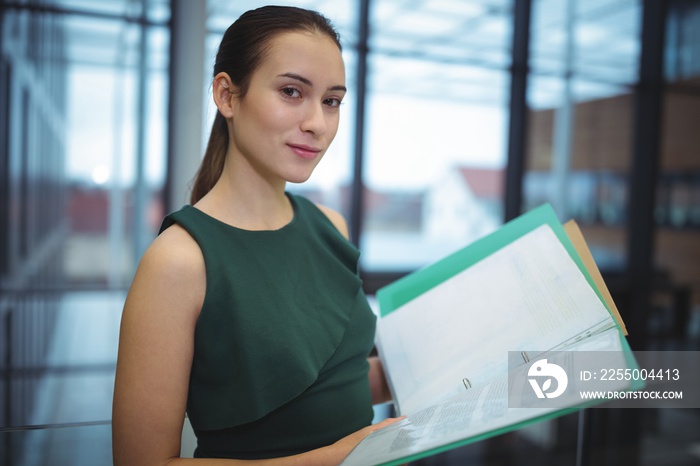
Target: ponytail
(213,162)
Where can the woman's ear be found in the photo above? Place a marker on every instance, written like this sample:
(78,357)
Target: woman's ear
(224,94)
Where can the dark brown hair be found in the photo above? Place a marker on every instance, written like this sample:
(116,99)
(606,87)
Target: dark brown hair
(242,49)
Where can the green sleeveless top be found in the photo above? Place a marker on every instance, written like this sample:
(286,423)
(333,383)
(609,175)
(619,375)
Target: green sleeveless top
(281,343)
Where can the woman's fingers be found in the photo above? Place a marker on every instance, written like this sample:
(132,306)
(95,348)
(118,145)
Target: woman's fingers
(386,422)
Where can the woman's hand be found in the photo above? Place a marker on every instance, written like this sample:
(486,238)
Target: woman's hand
(342,448)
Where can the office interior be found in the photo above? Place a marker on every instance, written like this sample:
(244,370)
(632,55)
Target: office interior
(461,115)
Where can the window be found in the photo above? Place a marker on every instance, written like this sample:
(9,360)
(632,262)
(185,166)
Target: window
(584,62)
(436,129)
(84,158)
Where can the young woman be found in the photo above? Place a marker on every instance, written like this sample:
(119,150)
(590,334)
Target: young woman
(246,312)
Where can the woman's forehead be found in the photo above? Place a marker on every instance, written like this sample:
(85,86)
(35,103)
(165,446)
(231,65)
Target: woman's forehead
(305,53)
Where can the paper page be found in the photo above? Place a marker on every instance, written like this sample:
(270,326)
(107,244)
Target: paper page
(528,294)
(475,412)
(436,425)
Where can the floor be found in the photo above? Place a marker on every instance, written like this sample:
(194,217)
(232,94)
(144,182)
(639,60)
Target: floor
(57,373)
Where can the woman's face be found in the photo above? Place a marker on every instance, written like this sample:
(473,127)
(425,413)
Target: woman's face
(285,122)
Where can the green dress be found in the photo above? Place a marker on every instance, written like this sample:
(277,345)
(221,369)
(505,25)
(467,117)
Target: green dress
(281,344)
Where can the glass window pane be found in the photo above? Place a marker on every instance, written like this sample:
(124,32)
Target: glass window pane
(584,59)
(678,189)
(115,158)
(436,128)
(113,7)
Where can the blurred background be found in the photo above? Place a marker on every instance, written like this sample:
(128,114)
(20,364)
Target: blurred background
(461,114)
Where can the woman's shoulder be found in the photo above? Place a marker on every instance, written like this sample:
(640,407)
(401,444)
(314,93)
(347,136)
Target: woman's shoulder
(336,218)
(175,255)
(322,211)
(170,279)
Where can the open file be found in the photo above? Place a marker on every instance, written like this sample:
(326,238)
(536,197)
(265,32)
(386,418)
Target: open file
(445,334)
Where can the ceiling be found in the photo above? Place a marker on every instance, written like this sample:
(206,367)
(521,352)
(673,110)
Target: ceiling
(438,49)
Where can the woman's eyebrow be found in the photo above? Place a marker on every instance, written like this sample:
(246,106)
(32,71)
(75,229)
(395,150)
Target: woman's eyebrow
(307,82)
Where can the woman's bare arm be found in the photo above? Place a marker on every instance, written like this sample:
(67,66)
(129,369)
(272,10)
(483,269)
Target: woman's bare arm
(155,351)
(377,381)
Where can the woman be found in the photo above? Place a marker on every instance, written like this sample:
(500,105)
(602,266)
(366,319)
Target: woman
(246,311)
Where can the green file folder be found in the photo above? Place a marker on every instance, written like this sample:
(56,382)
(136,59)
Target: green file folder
(398,296)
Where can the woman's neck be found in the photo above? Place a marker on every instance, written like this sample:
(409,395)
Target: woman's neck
(247,201)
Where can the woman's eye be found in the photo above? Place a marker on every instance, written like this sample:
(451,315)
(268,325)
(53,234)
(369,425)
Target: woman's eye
(290,92)
(332,102)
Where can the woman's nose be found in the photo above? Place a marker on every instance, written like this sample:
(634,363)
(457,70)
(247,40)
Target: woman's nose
(314,119)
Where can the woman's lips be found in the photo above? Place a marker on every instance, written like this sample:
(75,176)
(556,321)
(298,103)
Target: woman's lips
(304,151)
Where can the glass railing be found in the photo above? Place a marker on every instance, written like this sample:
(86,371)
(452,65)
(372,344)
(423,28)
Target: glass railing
(59,351)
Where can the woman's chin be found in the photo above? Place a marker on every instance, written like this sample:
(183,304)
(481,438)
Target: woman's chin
(299,177)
